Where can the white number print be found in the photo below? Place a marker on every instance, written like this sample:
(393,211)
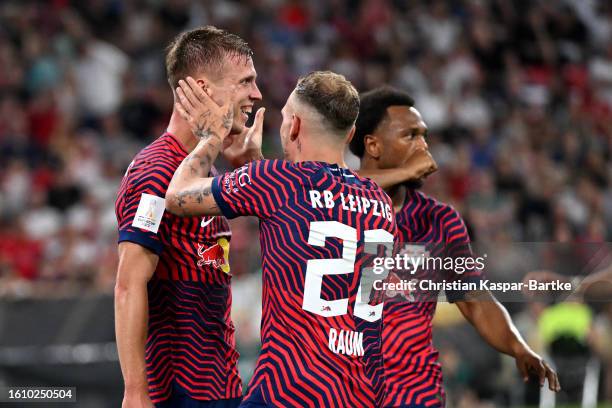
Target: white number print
(317,268)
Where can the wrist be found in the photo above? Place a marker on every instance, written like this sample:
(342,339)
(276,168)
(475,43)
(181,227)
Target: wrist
(518,348)
(255,154)
(136,389)
(410,174)
(209,138)
(211,144)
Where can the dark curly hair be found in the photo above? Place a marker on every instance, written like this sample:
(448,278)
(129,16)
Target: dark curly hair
(374,106)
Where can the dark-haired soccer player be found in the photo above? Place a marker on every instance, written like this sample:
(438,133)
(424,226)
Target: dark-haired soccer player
(320,336)
(389,131)
(172,297)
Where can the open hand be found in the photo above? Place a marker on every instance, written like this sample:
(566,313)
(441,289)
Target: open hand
(206,117)
(246,146)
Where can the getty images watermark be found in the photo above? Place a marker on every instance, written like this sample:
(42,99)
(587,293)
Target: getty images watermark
(511,271)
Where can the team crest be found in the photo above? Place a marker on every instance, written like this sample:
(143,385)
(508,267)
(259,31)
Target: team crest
(215,255)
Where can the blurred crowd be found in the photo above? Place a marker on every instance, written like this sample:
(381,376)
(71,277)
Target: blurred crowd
(517,95)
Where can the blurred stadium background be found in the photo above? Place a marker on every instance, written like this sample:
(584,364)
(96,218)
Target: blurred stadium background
(517,95)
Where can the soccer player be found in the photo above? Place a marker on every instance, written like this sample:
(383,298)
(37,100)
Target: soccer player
(389,131)
(174,333)
(320,334)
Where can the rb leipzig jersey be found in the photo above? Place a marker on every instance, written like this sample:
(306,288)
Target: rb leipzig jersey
(426,228)
(320,333)
(190,346)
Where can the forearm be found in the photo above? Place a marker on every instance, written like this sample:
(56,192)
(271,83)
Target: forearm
(492,321)
(387,178)
(198,163)
(189,191)
(131,322)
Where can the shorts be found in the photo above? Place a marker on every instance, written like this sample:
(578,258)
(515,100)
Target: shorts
(183,401)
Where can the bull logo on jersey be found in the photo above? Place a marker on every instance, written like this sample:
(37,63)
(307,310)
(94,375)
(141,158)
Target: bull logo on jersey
(215,255)
(406,294)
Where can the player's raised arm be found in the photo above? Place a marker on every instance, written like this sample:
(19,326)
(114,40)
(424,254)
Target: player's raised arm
(189,192)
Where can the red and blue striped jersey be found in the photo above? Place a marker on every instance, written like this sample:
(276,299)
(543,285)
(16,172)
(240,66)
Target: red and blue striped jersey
(190,346)
(426,227)
(320,333)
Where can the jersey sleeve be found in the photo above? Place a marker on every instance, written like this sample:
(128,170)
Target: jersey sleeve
(459,249)
(141,210)
(258,188)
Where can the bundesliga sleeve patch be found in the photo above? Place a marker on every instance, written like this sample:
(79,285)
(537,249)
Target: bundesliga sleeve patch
(149,213)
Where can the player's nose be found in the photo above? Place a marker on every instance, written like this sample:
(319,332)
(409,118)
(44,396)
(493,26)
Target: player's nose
(255,93)
(420,141)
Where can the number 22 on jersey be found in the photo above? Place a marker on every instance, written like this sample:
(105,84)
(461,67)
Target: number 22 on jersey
(317,268)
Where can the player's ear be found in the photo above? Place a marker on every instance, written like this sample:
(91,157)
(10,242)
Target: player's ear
(372,146)
(350,135)
(203,83)
(294,131)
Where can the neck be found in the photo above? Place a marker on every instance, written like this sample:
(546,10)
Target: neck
(398,195)
(323,153)
(319,147)
(181,131)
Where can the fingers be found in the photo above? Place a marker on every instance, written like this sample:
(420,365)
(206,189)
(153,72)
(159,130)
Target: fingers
(192,95)
(553,379)
(522,367)
(259,119)
(182,111)
(186,90)
(254,135)
(544,373)
(541,370)
(534,365)
(184,101)
(220,96)
(201,94)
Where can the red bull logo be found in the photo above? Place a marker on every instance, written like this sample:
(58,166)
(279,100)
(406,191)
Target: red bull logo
(211,255)
(406,293)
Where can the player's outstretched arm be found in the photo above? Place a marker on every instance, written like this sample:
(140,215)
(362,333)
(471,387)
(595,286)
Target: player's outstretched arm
(493,323)
(189,192)
(136,267)
(418,166)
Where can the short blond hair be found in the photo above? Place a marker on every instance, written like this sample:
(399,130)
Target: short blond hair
(332,95)
(200,49)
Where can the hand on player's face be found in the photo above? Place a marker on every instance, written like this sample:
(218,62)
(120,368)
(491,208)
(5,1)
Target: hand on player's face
(421,162)
(245,146)
(404,141)
(207,109)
